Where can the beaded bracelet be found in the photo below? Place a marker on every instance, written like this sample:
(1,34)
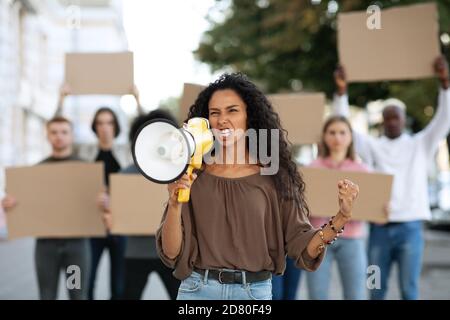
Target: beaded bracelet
(333,228)
(321,246)
(323,239)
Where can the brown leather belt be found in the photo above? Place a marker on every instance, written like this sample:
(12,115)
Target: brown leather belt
(232,277)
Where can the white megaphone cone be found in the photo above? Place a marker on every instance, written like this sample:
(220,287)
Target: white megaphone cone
(163,153)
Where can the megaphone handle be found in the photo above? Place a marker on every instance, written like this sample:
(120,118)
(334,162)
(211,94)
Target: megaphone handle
(184,194)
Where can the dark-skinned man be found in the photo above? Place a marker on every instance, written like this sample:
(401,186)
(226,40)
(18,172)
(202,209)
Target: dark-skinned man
(406,157)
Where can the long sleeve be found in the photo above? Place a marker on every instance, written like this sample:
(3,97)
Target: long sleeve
(58,111)
(340,105)
(171,263)
(185,261)
(439,126)
(59,107)
(298,232)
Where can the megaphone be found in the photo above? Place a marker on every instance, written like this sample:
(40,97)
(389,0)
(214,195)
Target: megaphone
(163,152)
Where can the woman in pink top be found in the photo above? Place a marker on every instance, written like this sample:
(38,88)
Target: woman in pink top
(337,152)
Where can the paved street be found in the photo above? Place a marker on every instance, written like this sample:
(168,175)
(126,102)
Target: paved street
(18,280)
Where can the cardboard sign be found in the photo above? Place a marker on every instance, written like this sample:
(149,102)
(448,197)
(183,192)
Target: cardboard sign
(55,200)
(404,47)
(190,94)
(137,204)
(301,115)
(322,193)
(100,73)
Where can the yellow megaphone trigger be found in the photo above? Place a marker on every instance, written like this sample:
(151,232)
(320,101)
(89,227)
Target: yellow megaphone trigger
(204,141)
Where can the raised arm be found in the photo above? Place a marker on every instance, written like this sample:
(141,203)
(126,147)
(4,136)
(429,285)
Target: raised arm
(340,100)
(340,107)
(348,192)
(305,244)
(135,93)
(64,91)
(171,232)
(439,126)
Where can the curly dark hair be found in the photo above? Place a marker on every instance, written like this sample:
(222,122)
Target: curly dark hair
(260,115)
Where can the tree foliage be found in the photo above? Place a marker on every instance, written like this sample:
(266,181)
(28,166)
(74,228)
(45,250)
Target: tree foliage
(290,45)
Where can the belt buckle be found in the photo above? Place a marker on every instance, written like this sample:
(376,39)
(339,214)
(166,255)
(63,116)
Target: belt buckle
(220,277)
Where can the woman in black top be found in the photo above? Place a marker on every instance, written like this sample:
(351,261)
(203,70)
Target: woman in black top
(106,127)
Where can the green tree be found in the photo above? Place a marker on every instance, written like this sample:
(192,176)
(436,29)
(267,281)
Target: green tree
(290,45)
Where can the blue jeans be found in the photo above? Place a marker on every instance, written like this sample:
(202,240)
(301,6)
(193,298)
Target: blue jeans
(116,246)
(401,243)
(285,287)
(199,287)
(351,258)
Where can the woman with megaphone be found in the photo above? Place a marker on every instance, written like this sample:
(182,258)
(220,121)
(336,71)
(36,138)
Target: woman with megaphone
(241,219)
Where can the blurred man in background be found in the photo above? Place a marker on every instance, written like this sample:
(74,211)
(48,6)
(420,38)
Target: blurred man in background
(53,255)
(406,157)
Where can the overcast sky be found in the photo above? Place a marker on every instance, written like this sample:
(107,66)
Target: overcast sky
(163,34)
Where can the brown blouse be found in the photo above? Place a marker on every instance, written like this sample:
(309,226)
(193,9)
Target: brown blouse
(239,223)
